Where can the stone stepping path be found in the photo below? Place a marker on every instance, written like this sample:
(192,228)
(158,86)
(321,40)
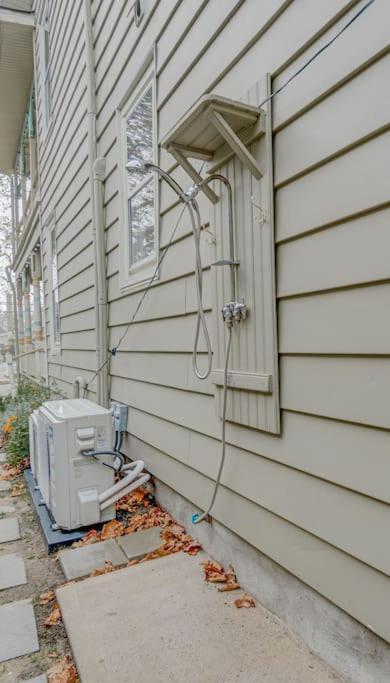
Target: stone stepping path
(141,543)
(6,509)
(82,561)
(79,562)
(9,530)
(2,457)
(18,631)
(12,571)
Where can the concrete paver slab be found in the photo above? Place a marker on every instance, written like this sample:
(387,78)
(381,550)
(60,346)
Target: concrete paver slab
(140,543)
(2,456)
(37,679)
(186,630)
(18,632)
(9,529)
(82,561)
(6,509)
(4,486)
(12,571)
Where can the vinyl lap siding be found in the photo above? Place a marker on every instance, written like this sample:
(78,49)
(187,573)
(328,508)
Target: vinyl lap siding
(65,190)
(315,499)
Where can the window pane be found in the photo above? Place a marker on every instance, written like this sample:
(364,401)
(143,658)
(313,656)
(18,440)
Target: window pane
(54,268)
(141,223)
(139,137)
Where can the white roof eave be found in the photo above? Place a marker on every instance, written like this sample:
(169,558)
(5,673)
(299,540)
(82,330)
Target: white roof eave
(16,76)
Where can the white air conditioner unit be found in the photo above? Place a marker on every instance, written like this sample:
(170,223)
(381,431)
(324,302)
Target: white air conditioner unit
(74,465)
(59,433)
(39,454)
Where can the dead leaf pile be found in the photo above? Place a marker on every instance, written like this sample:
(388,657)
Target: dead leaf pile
(18,490)
(140,496)
(63,672)
(215,573)
(108,567)
(10,472)
(174,537)
(112,529)
(245,600)
(54,617)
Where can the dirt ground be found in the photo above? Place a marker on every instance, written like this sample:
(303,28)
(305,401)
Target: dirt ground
(43,573)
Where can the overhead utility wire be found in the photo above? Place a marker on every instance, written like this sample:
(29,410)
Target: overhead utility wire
(318,53)
(282,87)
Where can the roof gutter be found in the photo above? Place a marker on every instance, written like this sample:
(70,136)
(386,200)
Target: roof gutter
(96,177)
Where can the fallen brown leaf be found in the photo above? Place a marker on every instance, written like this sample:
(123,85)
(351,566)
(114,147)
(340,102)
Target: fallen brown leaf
(230,586)
(108,567)
(92,536)
(63,672)
(54,617)
(17,490)
(245,600)
(112,530)
(213,572)
(47,597)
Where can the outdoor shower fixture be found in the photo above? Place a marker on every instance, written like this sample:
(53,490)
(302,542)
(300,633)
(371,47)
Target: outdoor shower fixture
(215,131)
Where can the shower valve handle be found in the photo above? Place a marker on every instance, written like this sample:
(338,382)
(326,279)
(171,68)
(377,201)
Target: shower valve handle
(234,311)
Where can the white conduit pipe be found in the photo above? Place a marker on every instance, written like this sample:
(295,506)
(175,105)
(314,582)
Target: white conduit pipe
(123,492)
(134,469)
(79,384)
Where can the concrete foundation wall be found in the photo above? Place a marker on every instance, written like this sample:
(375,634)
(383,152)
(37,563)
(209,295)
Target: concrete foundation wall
(343,643)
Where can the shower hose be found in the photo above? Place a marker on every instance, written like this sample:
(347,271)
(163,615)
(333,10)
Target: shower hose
(201,322)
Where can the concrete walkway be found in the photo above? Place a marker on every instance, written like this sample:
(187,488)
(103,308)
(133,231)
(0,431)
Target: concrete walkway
(159,621)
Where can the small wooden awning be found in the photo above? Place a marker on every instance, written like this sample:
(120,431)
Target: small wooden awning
(215,129)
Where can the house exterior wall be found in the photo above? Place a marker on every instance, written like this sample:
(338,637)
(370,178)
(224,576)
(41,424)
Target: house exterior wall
(315,499)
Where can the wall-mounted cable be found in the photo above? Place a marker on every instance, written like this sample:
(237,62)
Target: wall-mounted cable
(318,53)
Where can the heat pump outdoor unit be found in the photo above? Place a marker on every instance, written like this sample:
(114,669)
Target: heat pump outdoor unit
(39,454)
(70,482)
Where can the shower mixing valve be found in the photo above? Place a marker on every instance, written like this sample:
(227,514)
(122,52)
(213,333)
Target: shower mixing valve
(234,311)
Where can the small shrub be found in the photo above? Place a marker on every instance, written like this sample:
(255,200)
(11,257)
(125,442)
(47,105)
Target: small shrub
(16,411)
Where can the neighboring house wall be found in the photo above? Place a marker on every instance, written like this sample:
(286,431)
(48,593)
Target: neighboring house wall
(316,498)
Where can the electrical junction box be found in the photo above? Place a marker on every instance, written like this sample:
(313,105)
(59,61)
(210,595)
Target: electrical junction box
(119,416)
(68,427)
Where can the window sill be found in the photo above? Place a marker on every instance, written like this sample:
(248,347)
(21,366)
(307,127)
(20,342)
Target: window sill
(140,277)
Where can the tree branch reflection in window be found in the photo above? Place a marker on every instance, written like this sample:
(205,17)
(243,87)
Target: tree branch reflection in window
(140,184)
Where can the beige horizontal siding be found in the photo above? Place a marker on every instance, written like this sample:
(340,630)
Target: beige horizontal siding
(353,389)
(315,499)
(351,321)
(317,563)
(326,259)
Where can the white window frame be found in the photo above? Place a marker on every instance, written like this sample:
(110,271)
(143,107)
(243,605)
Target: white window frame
(55,334)
(138,274)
